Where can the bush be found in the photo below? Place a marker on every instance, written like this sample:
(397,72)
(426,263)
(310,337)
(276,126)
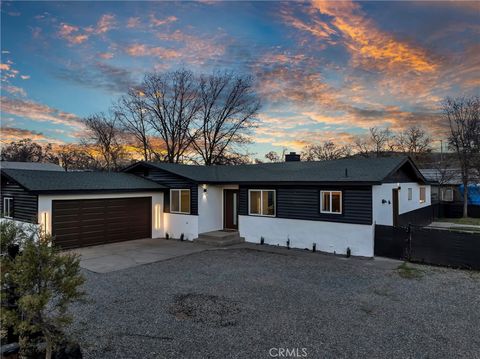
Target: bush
(46,282)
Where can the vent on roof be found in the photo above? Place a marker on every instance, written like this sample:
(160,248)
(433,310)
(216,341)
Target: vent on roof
(292,157)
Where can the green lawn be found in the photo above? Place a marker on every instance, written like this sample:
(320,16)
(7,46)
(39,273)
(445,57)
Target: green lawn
(470,221)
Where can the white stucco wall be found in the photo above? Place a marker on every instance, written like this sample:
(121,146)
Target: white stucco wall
(176,224)
(329,237)
(383,212)
(45,208)
(210,207)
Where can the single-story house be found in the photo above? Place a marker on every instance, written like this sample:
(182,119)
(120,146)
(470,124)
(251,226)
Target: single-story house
(445,184)
(332,204)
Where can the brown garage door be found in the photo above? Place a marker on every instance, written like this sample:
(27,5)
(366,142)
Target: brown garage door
(86,222)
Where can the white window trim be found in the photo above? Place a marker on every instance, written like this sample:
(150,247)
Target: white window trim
(420,194)
(180,200)
(331,192)
(410,193)
(5,200)
(261,203)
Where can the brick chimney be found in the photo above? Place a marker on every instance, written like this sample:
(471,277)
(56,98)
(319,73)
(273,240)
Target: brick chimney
(292,157)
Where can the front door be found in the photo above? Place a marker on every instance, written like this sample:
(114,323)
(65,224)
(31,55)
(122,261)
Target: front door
(395,206)
(230,209)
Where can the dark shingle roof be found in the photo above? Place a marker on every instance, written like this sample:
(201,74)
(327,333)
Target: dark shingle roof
(30,166)
(364,170)
(58,182)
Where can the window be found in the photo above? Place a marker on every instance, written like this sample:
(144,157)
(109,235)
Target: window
(331,202)
(423,195)
(262,202)
(447,194)
(180,201)
(410,194)
(8,207)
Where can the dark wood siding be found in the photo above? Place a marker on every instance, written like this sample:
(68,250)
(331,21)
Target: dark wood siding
(406,173)
(86,222)
(173,181)
(303,202)
(25,204)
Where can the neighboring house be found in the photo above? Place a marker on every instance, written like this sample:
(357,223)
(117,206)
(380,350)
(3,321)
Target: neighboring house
(445,184)
(334,204)
(30,166)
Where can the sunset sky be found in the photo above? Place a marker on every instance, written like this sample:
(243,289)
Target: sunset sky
(324,70)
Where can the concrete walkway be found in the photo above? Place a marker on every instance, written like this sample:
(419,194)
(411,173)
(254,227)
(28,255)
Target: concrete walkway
(115,256)
(453,225)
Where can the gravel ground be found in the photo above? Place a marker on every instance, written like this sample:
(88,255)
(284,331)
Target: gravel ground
(239,303)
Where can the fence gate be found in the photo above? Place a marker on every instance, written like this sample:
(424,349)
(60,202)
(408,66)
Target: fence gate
(391,242)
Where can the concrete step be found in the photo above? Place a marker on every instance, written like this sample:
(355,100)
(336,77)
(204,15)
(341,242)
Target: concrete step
(220,238)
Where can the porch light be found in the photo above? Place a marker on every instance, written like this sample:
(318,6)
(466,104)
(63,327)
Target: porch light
(398,186)
(44,223)
(204,188)
(157,216)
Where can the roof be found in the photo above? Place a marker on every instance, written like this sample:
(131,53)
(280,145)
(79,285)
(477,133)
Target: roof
(349,170)
(79,182)
(449,176)
(31,166)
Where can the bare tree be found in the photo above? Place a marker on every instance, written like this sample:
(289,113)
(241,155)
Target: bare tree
(376,143)
(104,137)
(413,140)
(132,114)
(462,114)
(325,152)
(272,156)
(172,101)
(76,157)
(228,106)
(28,151)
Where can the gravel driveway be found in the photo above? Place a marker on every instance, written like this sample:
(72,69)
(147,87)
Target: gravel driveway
(240,303)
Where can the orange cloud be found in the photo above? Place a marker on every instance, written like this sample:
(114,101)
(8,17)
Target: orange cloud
(4,67)
(106,23)
(10,134)
(106,55)
(133,22)
(38,112)
(69,33)
(144,50)
(159,22)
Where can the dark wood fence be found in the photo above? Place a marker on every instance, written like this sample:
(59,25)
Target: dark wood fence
(429,245)
(455,210)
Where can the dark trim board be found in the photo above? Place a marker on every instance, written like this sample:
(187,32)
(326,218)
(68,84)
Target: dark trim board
(303,202)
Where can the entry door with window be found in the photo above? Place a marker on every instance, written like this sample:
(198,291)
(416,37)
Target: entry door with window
(230,209)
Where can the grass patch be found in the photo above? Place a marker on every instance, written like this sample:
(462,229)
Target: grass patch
(408,272)
(468,221)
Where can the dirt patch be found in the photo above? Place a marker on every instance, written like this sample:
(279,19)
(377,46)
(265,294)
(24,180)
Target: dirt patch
(209,309)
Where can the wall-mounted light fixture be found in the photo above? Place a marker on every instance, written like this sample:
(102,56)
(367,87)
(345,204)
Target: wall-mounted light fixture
(157,212)
(204,188)
(398,186)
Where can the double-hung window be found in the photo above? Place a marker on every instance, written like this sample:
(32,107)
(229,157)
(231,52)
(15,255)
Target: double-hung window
(180,201)
(447,194)
(8,207)
(331,202)
(262,202)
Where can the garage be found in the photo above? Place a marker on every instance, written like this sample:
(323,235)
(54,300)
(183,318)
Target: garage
(85,208)
(87,222)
